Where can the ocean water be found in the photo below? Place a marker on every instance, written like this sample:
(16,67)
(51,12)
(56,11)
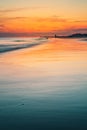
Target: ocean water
(43,84)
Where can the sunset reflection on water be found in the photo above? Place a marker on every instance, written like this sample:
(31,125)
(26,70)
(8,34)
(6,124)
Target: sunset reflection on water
(43,84)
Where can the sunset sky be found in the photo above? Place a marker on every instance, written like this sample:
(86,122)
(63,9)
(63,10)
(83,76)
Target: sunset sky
(37,17)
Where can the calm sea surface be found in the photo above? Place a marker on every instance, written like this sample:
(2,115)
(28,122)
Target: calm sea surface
(43,84)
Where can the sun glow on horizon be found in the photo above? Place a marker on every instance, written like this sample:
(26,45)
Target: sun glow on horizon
(43,16)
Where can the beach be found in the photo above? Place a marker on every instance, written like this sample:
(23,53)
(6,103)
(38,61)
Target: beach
(43,84)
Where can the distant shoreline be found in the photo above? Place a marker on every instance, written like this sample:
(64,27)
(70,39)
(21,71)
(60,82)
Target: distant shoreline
(74,35)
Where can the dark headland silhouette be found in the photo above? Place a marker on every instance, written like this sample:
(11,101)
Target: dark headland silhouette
(76,35)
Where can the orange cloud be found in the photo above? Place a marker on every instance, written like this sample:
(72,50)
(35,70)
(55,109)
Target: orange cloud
(41,25)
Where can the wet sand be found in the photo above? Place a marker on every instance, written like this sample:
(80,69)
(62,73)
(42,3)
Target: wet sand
(44,87)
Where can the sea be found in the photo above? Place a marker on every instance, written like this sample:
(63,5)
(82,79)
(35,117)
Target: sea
(43,83)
